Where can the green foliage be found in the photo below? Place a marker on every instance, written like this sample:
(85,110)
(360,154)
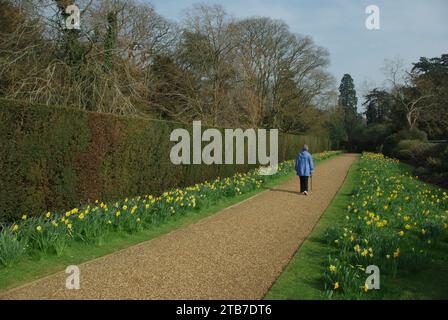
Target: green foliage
(429,159)
(38,162)
(391,142)
(54,158)
(11,249)
(347,93)
(348,101)
(110,40)
(371,137)
(378,105)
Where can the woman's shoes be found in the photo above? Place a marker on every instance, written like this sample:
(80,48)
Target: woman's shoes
(305,193)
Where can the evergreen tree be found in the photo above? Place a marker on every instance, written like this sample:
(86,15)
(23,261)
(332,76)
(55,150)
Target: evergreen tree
(110,40)
(378,105)
(348,101)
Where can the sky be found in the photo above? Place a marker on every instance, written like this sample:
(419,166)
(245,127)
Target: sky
(408,30)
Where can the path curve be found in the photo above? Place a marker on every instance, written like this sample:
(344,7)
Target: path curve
(236,253)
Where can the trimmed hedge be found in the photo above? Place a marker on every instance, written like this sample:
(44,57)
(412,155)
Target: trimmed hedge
(54,158)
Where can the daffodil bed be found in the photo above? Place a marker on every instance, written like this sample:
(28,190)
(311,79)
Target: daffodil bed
(53,233)
(410,249)
(394,221)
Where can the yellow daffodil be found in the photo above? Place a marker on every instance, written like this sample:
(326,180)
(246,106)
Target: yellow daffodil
(365,287)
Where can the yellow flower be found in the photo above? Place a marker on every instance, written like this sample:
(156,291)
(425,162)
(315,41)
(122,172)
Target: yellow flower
(81,216)
(69,226)
(15,227)
(332,268)
(24,217)
(407,227)
(366,287)
(39,228)
(118,214)
(397,253)
(48,214)
(336,285)
(109,222)
(401,233)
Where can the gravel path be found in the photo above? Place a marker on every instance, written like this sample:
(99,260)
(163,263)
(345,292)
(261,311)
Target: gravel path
(236,253)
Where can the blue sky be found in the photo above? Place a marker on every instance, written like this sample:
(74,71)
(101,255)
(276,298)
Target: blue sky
(409,29)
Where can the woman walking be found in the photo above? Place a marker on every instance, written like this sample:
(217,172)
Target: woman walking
(304,167)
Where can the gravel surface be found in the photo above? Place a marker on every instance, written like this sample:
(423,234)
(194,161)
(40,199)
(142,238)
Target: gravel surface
(236,253)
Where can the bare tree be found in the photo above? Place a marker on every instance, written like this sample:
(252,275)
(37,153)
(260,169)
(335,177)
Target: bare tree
(414,101)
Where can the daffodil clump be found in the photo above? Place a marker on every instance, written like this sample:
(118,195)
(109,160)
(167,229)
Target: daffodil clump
(51,233)
(391,222)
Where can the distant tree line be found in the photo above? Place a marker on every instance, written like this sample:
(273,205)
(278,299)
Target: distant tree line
(407,118)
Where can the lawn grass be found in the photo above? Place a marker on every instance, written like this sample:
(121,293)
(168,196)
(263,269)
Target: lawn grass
(31,268)
(302,278)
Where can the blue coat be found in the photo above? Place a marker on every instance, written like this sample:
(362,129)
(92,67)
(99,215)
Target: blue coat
(304,164)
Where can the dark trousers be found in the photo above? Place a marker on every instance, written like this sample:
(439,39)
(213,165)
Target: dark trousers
(303,183)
